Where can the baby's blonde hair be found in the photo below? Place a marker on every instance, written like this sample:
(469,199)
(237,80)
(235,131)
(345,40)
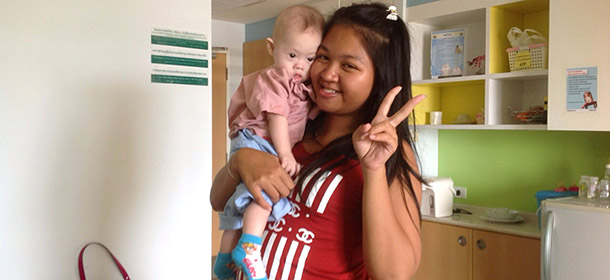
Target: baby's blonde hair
(297,19)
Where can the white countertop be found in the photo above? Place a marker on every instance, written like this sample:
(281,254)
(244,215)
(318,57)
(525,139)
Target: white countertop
(528,227)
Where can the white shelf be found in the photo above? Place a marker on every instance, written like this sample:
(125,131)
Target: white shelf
(451,19)
(449,12)
(521,75)
(480,78)
(494,93)
(517,75)
(485,127)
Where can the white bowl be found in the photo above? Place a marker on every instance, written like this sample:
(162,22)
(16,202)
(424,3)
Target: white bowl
(463,119)
(501,213)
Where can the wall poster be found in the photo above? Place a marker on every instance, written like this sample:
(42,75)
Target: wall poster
(179,57)
(447,53)
(581,89)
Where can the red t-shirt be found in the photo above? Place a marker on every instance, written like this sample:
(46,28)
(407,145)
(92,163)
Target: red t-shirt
(321,237)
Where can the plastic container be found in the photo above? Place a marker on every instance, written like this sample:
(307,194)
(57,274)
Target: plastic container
(604,189)
(542,195)
(530,57)
(583,185)
(607,173)
(592,187)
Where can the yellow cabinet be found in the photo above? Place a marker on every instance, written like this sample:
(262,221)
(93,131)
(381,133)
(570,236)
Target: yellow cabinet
(452,252)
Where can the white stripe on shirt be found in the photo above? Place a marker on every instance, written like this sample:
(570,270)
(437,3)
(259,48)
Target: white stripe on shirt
(276,257)
(268,248)
(329,192)
(289,258)
(305,182)
(301,264)
(314,190)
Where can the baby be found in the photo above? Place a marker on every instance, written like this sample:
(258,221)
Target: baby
(588,97)
(268,112)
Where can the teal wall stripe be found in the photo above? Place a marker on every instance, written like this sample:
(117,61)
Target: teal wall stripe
(172,60)
(178,42)
(168,79)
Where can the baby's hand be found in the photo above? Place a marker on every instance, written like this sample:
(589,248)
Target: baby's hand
(290,164)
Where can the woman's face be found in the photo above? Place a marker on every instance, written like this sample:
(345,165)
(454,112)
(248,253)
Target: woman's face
(342,74)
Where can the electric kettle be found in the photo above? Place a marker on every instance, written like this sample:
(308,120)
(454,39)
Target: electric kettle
(437,197)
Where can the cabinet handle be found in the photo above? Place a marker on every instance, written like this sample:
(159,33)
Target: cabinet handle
(547,235)
(462,241)
(481,244)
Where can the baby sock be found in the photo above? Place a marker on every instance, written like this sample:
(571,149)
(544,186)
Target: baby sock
(221,266)
(247,256)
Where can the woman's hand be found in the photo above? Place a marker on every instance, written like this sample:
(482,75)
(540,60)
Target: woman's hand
(261,171)
(375,142)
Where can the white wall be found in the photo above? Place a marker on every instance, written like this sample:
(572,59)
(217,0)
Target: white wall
(91,150)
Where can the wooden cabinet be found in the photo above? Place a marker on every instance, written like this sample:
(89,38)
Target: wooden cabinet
(256,56)
(443,257)
(452,252)
(504,256)
(487,23)
(580,39)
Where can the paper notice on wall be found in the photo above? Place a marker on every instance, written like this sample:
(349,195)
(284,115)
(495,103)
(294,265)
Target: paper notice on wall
(582,89)
(179,57)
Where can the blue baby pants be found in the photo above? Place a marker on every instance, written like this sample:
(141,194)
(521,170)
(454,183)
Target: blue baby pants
(232,215)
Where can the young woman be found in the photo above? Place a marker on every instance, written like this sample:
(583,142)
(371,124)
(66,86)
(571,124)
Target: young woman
(355,207)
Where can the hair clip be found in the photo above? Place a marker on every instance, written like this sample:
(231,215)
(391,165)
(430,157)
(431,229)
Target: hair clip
(393,13)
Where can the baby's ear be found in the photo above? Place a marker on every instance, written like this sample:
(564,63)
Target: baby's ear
(270,46)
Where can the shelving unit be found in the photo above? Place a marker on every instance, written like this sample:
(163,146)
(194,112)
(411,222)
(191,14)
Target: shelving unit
(487,23)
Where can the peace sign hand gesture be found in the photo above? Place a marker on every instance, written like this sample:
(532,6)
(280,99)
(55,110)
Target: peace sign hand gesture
(375,142)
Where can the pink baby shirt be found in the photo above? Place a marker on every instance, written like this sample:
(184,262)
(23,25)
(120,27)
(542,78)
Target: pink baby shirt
(270,90)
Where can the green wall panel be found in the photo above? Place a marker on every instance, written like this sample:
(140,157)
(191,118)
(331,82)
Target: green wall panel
(506,168)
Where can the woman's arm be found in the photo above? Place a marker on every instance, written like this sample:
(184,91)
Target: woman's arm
(259,170)
(391,240)
(390,218)
(222,188)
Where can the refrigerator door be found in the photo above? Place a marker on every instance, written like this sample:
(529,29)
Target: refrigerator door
(575,239)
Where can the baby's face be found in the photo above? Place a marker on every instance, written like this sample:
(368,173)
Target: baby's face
(296,52)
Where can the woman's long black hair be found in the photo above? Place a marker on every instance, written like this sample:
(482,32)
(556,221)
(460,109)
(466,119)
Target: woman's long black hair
(387,43)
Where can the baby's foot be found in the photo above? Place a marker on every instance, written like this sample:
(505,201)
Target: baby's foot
(247,256)
(224,267)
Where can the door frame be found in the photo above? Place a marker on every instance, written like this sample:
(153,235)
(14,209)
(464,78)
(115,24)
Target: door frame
(216,233)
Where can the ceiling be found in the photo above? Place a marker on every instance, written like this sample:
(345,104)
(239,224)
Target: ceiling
(248,11)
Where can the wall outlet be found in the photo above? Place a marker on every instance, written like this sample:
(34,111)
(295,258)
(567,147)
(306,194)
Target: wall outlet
(460,192)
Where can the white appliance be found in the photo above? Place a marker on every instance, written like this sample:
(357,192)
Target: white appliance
(437,197)
(575,239)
